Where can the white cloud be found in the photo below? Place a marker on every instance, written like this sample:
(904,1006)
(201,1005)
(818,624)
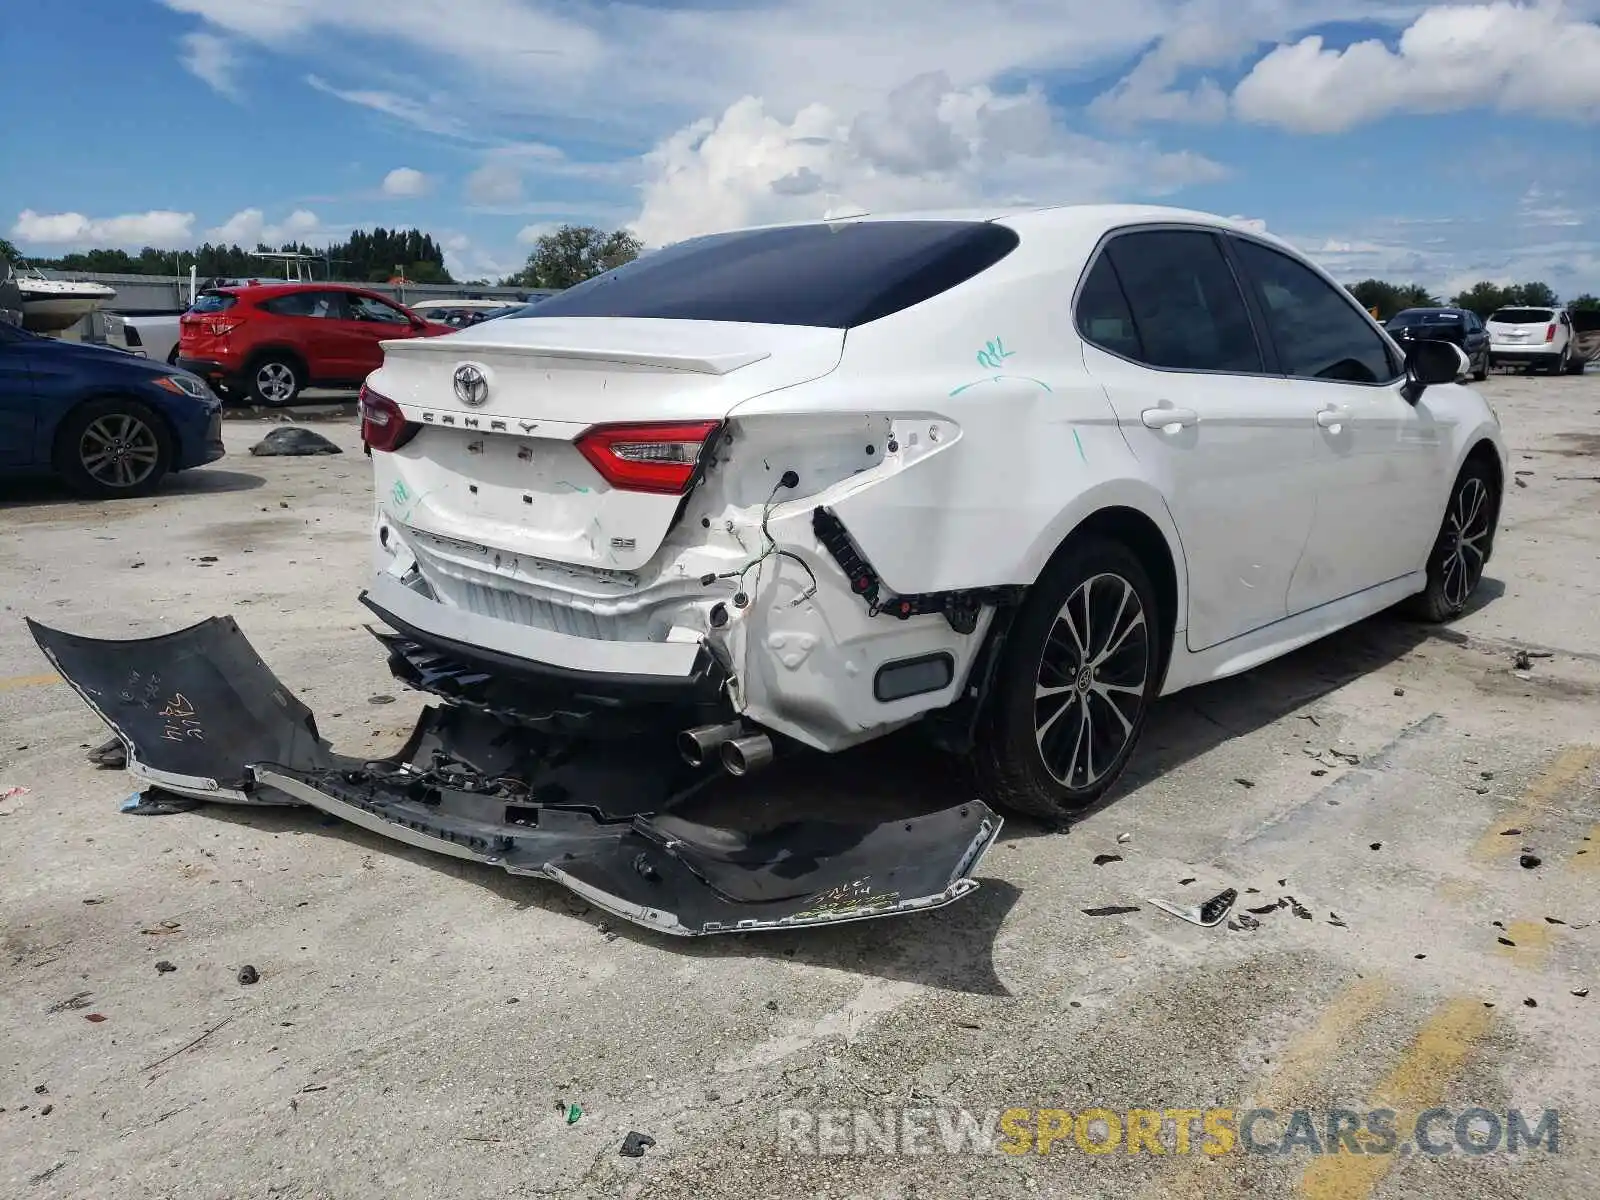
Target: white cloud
(495,184)
(406,181)
(162,229)
(1531,59)
(212,59)
(529,235)
(930,144)
(424,116)
(249,227)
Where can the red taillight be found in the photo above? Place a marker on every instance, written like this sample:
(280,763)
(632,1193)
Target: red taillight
(1550,334)
(658,458)
(383,425)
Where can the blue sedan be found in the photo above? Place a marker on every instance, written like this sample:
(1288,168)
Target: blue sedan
(109,423)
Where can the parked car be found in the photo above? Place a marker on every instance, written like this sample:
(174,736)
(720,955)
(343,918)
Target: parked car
(1457,325)
(836,477)
(149,335)
(1534,337)
(272,341)
(108,423)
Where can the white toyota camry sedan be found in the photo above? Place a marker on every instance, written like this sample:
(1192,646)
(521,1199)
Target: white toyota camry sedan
(1014,474)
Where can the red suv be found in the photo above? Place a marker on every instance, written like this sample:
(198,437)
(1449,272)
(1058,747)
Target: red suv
(271,341)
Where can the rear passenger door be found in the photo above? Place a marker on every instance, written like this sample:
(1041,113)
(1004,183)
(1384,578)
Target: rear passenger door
(1230,444)
(1381,462)
(309,320)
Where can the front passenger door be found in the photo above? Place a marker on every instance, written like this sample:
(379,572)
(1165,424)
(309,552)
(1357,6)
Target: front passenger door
(1381,472)
(372,321)
(1229,444)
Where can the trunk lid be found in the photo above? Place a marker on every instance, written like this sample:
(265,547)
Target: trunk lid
(1520,326)
(496,462)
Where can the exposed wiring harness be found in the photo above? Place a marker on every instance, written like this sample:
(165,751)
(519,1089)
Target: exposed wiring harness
(769,549)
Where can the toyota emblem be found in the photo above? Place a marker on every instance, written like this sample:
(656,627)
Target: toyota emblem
(472,389)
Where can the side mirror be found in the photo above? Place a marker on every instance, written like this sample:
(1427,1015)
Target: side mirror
(1429,363)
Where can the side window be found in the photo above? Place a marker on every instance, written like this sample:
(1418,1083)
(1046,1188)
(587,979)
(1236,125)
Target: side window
(370,308)
(1319,334)
(1186,307)
(1103,316)
(303,304)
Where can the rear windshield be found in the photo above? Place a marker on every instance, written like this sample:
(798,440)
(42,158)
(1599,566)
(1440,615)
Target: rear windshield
(833,276)
(212,302)
(1424,318)
(1523,316)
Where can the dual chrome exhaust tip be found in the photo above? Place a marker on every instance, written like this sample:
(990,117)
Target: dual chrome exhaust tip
(740,753)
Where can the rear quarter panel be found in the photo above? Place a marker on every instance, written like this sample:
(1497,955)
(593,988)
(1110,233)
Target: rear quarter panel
(1004,443)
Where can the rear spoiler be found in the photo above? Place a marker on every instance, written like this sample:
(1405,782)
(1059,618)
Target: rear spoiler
(698,364)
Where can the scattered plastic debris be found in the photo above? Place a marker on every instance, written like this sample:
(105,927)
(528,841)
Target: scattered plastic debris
(1399,691)
(1580,993)
(1101,860)
(1335,919)
(1375,846)
(1530,861)
(1511,833)
(1263,910)
(164,967)
(12,793)
(1124,838)
(1186,882)
(1554,921)
(95,1017)
(635,1144)
(1206,914)
(1111,910)
(249,975)
(1245,783)
(1505,941)
(380,699)
(111,754)
(1524,661)
(292,441)
(573,1114)
(162,929)
(76,1001)
(156,803)
(1530,1002)
(772,1006)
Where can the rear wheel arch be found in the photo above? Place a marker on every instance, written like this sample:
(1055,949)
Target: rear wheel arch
(1134,529)
(288,353)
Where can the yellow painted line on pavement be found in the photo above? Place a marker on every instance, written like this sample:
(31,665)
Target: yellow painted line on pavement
(1568,766)
(17,682)
(1301,1063)
(1417,1083)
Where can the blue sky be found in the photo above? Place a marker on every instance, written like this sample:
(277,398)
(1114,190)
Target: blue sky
(1442,143)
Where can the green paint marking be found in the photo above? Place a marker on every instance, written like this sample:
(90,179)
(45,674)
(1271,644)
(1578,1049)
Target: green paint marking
(1079,441)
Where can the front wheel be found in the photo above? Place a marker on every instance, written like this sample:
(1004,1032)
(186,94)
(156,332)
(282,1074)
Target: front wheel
(113,448)
(1455,565)
(1081,667)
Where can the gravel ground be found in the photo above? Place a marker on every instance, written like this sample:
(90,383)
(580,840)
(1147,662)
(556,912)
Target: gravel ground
(421,1027)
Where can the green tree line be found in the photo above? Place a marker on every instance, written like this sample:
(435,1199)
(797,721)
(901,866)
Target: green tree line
(370,257)
(1482,298)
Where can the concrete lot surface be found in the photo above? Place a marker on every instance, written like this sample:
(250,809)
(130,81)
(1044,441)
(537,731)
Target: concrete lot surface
(421,1027)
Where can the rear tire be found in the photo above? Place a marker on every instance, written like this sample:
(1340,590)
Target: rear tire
(1080,669)
(1563,364)
(275,381)
(1466,537)
(1482,371)
(1576,363)
(111,448)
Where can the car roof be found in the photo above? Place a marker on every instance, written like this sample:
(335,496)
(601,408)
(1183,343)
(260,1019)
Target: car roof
(1433,308)
(1055,218)
(292,286)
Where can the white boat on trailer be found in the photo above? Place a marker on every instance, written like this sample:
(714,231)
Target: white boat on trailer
(51,305)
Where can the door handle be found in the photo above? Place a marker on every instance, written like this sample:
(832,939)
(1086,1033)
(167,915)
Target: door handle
(1333,417)
(1169,418)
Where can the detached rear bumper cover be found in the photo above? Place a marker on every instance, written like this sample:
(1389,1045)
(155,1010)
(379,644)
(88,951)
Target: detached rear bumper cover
(202,715)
